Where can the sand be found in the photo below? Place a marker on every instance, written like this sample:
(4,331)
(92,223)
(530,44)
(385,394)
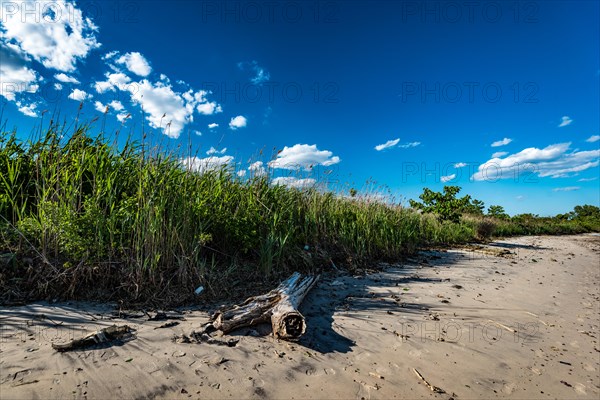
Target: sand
(518,318)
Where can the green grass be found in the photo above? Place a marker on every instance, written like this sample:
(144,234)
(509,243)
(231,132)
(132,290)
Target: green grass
(81,218)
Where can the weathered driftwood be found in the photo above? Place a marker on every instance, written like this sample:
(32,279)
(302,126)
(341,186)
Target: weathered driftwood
(280,306)
(104,335)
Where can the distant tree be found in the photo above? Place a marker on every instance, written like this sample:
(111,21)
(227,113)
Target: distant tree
(586,211)
(445,205)
(353,192)
(498,212)
(476,207)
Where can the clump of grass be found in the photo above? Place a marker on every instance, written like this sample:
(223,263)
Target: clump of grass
(86,219)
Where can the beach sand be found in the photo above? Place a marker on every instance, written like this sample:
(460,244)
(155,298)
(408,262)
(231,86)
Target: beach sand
(518,318)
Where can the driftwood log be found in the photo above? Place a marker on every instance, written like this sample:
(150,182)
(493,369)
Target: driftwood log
(280,306)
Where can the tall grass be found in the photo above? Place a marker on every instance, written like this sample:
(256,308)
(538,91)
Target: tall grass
(86,219)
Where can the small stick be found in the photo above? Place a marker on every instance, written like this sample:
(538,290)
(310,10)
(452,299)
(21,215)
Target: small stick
(434,389)
(502,326)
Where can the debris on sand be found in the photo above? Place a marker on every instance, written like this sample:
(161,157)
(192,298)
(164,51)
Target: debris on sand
(434,389)
(105,335)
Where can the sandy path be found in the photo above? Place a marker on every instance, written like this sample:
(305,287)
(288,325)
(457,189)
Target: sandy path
(476,325)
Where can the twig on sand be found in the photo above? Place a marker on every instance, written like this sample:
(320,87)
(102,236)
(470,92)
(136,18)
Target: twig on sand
(434,389)
(502,326)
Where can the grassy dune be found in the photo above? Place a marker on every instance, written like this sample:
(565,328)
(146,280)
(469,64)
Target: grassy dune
(81,218)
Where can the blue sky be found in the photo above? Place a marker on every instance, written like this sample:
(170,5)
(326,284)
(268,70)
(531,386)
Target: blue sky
(500,98)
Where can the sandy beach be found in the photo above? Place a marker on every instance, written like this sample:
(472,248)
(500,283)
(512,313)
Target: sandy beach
(518,318)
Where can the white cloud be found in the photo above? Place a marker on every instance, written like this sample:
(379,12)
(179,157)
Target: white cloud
(587,179)
(113,82)
(213,125)
(64,78)
(257,168)
(79,95)
(565,121)
(109,55)
(165,109)
(58,86)
(460,165)
(387,145)
(136,63)
(520,197)
(448,178)
(261,75)
(499,154)
(123,116)
(593,139)
(100,107)
(303,156)
(298,183)
(28,110)
(237,122)
(58,38)
(196,132)
(408,145)
(209,108)
(553,161)
(15,76)
(241,173)
(212,151)
(566,189)
(202,165)
(502,142)
(116,105)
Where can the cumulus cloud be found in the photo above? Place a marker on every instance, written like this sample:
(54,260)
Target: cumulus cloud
(292,182)
(165,108)
(58,39)
(115,105)
(15,75)
(593,139)
(136,63)
(79,95)
(460,165)
(552,161)
(565,121)
(27,109)
(566,189)
(100,107)
(208,108)
(123,116)
(303,156)
(261,75)
(64,78)
(502,142)
(387,145)
(448,178)
(499,154)
(237,122)
(212,151)
(203,165)
(114,81)
(213,125)
(257,168)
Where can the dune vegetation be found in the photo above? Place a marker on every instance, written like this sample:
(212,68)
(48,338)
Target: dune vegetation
(82,218)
